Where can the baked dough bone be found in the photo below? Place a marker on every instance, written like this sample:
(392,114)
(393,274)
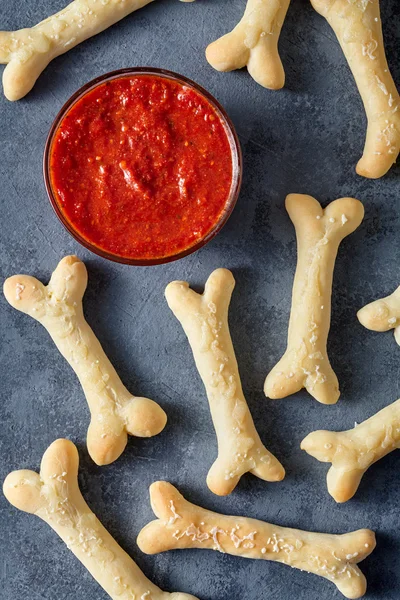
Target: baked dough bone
(254,43)
(27,52)
(54,496)
(358,27)
(183,525)
(382,314)
(204,318)
(58,307)
(352,452)
(319,233)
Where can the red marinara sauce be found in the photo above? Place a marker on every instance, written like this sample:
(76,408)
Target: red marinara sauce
(141,167)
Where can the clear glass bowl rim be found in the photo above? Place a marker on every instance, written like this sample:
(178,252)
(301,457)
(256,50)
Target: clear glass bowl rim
(237,164)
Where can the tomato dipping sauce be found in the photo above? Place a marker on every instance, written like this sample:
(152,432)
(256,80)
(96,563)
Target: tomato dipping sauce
(143,166)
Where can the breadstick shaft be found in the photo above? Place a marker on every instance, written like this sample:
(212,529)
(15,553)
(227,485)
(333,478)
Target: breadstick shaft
(352,452)
(358,27)
(29,51)
(254,43)
(54,496)
(319,233)
(58,307)
(204,319)
(183,525)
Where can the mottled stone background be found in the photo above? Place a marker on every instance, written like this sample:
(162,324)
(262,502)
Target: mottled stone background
(305,138)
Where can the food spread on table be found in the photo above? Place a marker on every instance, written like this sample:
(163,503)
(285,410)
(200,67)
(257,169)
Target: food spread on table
(143,166)
(356,23)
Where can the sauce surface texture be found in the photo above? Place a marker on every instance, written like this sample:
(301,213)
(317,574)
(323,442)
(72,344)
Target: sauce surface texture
(141,167)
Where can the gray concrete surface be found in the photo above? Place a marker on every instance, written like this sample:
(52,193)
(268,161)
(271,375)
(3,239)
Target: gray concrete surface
(306,138)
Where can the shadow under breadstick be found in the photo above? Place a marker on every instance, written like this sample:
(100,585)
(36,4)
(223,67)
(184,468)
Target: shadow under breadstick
(183,525)
(319,232)
(204,319)
(114,410)
(54,497)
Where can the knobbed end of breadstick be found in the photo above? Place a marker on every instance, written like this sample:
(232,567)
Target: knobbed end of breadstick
(169,506)
(382,314)
(340,217)
(377,316)
(375,167)
(105,447)
(60,458)
(265,66)
(143,417)
(179,296)
(382,143)
(284,381)
(278,384)
(68,281)
(342,484)
(354,547)
(343,478)
(25,293)
(271,470)
(224,474)
(322,444)
(263,62)
(348,214)
(218,290)
(19,78)
(220,483)
(22,490)
(27,52)
(67,284)
(228,52)
(163,495)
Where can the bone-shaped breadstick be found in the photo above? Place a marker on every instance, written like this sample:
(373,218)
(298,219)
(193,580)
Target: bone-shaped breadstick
(383,314)
(319,233)
(58,307)
(184,525)
(357,25)
(254,43)
(27,52)
(54,496)
(204,319)
(352,452)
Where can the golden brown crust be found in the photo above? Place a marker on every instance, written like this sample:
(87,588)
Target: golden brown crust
(204,319)
(58,307)
(319,232)
(183,525)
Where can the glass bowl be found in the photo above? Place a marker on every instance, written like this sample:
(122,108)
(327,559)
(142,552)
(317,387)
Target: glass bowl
(236,154)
